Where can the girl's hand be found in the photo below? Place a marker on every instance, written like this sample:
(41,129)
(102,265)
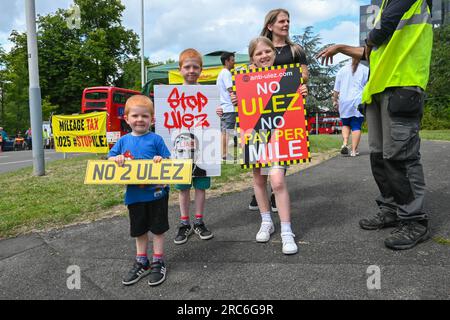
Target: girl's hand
(304,90)
(219,111)
(157,159)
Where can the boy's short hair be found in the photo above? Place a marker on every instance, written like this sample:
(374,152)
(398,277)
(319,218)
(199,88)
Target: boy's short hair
(190,54)
(141,101)
(225,56)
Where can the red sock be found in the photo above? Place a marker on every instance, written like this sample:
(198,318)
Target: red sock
(185,220)
(198,218)
(157,257)
(142,258)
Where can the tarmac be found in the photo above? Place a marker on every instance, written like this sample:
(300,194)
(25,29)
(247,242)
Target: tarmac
(336,258)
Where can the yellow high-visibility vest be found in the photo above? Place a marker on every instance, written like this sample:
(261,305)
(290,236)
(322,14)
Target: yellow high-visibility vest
(404,60)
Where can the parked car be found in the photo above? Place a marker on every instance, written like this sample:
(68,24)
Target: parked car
(9,144)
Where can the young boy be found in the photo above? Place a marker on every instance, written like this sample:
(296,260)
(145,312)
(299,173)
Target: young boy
(190,68)
(147,204)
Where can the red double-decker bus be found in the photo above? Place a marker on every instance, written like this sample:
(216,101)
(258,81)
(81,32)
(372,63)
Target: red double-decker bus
(327,124)
(112,100)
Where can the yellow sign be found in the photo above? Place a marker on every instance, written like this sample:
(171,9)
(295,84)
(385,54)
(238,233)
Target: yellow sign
(207,75)
(80,133)
(139,172)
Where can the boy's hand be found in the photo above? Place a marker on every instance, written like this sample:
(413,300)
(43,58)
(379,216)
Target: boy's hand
(157,159)
(120,159)
(304,90)
(219,111)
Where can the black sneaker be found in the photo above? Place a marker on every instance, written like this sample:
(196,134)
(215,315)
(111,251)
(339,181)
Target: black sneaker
(408,235)
(158,273)
(273,203)
(381,220)
(253,204)
(136,273)
(184,231)
(202,231)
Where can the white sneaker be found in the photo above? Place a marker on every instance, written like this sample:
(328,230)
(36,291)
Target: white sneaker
(354,154)
(289,245)
(263,235)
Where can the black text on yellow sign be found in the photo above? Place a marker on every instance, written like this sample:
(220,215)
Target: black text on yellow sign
(139,172)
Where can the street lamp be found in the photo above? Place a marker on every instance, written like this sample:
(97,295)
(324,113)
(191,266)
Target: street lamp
(34,89)
(142,46)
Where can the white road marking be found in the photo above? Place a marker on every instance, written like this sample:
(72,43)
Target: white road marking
(20,161)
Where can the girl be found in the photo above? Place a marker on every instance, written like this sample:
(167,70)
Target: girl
(276,28)
(262,54)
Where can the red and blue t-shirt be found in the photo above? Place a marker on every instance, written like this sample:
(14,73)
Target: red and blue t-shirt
(142,147)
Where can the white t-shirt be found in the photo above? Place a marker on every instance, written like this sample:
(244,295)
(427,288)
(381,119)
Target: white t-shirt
(224,81)
(350,87)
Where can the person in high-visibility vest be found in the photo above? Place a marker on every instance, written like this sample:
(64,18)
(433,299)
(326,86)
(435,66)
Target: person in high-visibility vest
(399,52)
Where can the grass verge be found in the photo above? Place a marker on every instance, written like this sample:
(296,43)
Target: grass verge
(435,135)
(441,240)
(60,198)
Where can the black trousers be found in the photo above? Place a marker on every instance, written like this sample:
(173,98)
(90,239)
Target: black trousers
(393,120)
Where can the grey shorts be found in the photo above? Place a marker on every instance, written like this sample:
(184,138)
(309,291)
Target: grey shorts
(228,121)
(267,171)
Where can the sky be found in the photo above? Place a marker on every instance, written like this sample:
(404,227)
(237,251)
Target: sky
(207,25)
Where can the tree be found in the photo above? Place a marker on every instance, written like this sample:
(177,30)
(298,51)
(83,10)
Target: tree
(98,53)
(95,54)
(321,78)
(2,84)
(131,75)
(16,115)
(437,109)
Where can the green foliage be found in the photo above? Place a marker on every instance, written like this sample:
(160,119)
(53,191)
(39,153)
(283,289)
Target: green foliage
(15,112)
(443,135)
(321,78)
(437,107)
(96,54)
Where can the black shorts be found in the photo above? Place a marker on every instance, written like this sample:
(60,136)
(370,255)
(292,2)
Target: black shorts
(149,216)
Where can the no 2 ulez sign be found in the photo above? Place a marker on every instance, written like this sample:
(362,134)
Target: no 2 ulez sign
(139,172)
(271,116)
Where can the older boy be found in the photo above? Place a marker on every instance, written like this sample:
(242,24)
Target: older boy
(190,68)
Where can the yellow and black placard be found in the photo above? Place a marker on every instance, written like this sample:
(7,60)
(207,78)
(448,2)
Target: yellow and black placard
(80,133)
(271,122)
(139,172)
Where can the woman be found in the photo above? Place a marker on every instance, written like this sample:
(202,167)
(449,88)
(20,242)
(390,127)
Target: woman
(262,54)
(276,28)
